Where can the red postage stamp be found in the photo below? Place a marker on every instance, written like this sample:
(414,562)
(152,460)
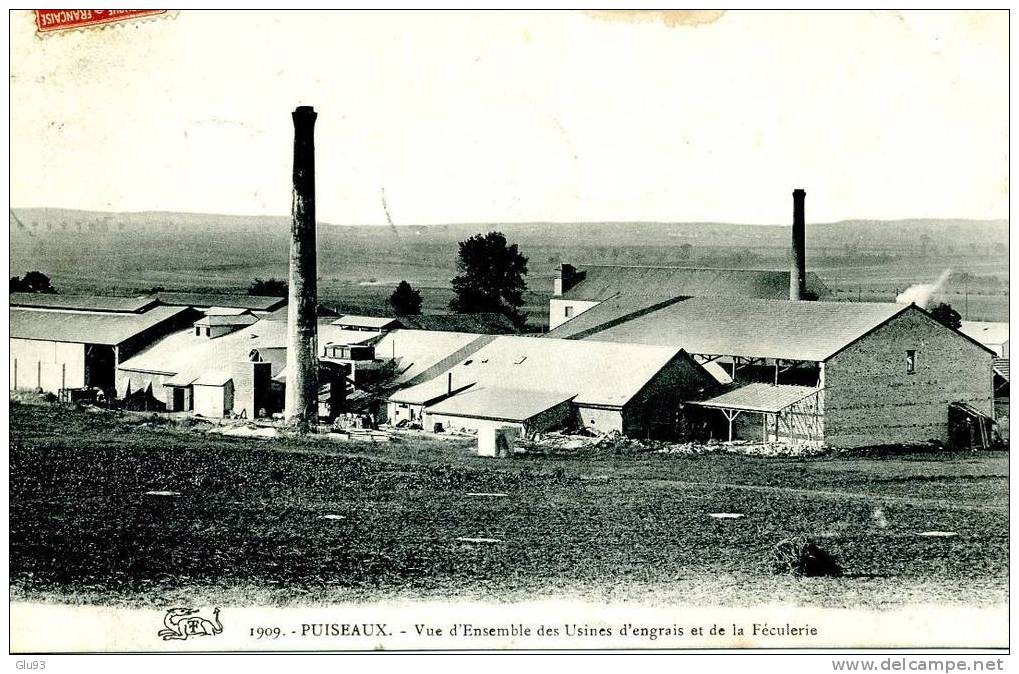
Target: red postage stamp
(51,20)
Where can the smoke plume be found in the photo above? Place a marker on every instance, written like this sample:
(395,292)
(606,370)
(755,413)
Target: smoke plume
(921,294)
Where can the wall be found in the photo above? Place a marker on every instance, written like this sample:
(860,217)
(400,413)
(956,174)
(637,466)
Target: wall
(251,388)
(601,420)
(557,310)
(46,365)
(870,399)
(214,401)
(470,424)
(141,380)
(654,410)
(397,412)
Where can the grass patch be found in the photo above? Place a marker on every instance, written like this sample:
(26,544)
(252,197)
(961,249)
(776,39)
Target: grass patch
(250,526)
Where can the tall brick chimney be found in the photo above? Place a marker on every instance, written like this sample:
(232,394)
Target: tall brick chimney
(798,272)
(301,401)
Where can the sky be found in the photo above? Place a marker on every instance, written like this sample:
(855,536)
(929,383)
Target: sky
(532,116)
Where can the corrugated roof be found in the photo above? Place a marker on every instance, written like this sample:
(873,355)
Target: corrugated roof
(206,300)
(759,397)
(597,373)
(602,282)
(376,322)
(108,328)
(810,331)
(1001,367)
(83,302)
(501,404)
(985,332)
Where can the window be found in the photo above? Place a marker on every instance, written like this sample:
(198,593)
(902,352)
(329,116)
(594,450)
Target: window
(911,361)
(568,311)
(198,331)
(208,332)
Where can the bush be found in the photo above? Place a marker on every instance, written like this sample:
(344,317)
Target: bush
(803,557)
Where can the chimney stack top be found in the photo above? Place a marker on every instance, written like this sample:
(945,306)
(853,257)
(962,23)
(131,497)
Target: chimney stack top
(304,113)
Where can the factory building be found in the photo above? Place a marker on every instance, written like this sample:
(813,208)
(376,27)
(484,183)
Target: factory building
(838,373)
(243,372)
(77,342)
(536,384)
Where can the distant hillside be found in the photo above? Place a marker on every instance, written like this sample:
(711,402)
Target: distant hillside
(865,234)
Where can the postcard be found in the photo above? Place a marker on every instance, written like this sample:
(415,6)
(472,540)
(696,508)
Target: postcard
(639,330)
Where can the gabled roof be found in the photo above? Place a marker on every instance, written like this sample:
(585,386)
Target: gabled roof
(597,373)
(227,311)
(107,328)
(1001,368)
(602,282)
(759,397)
(206,300)
(227,320)
(810,331)
(374,322)
(83,302)
(499,404)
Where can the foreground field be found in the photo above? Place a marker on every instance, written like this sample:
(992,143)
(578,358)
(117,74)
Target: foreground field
(249,523)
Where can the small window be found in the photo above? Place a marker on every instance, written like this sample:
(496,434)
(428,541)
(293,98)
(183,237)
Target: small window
(198,331)
(208,332)
(568,311)
(910,361)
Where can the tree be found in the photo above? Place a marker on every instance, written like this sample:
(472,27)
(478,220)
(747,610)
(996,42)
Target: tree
(405,300)
(271,287)
(32,282)
(944,313)
(491,278)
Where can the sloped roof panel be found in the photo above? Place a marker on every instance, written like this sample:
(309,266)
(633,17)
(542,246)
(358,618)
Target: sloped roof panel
(499,403)
(206,300)
(107,328)
(758,397)
(597,373)
(83,302)
(810,331)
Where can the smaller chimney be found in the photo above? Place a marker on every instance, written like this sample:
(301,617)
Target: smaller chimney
(449,383)
(567,278)
(798,271)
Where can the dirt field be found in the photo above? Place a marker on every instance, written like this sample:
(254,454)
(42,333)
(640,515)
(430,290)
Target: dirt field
(249,524)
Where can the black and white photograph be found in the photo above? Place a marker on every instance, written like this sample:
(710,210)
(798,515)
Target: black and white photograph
(509,331)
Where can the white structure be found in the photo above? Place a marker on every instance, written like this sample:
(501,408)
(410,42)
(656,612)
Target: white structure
(992,335)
